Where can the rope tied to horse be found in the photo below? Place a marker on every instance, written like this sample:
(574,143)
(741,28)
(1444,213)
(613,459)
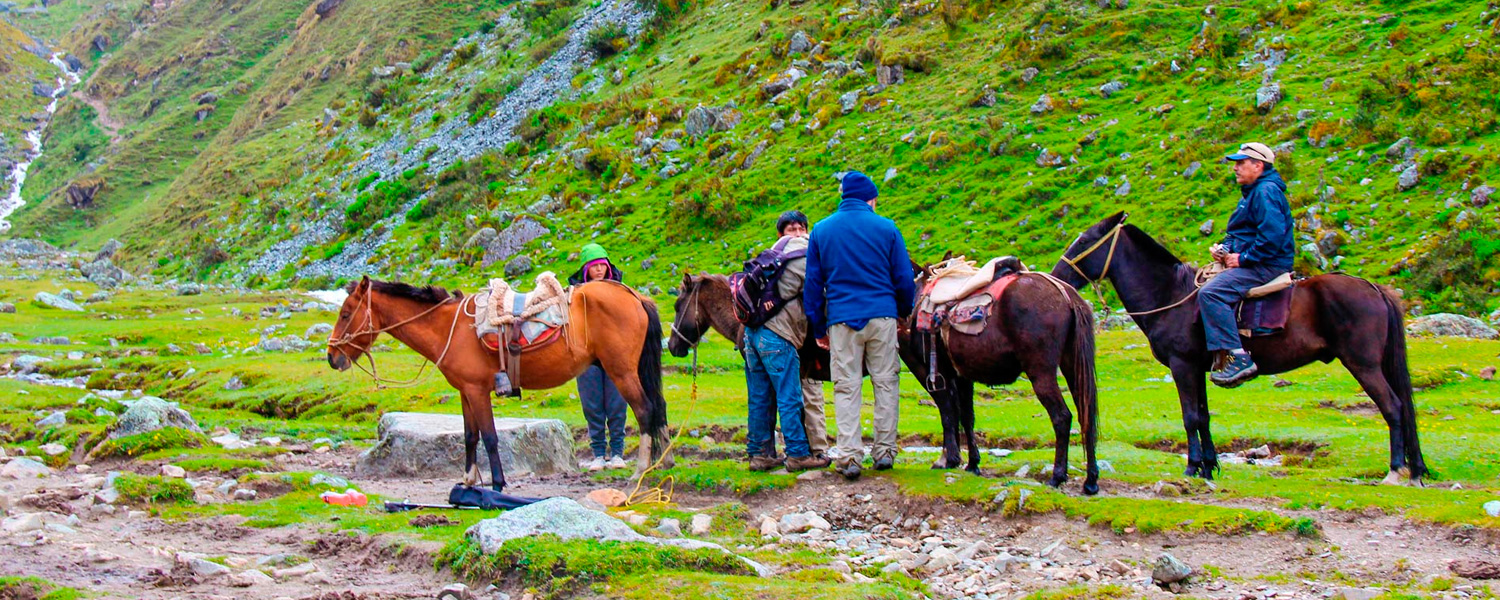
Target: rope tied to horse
(348,339)
(1202,276)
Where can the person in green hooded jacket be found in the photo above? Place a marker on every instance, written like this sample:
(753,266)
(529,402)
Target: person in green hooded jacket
(603,406)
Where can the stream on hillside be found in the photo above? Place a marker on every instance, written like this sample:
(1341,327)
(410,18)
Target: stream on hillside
(12,200)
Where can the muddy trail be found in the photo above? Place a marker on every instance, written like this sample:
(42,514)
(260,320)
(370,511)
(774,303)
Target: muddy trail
(124,551)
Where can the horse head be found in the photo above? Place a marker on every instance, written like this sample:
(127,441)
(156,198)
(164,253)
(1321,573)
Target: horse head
(687,325)
(1085,260)
(355,330)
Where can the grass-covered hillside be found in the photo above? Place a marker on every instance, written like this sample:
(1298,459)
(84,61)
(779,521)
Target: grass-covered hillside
(20,69)
(434,140)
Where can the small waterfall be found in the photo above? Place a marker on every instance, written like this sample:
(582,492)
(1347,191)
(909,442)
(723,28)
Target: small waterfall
(12,200)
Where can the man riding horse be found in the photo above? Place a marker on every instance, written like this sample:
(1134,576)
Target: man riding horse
(1257,248)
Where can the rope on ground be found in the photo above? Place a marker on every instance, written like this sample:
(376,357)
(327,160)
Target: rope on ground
(661,493)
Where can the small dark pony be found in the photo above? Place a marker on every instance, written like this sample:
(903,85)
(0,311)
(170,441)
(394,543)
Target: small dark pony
(1052,327)
(1332,317)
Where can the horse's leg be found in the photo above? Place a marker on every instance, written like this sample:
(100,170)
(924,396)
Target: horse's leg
(471,442)
(1044,383)
(948,415)
(963,400)
(1191,395)
(484,419)
(1373,381)
(1088,423)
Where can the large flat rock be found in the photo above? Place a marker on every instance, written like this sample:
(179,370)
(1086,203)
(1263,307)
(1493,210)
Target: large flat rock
(432,445)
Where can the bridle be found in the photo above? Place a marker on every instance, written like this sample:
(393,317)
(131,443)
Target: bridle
(692,301)
(1113,237)
(350,340)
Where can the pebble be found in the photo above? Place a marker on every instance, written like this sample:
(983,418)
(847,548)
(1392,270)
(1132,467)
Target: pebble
(701,524)
(173,471)
(250,578)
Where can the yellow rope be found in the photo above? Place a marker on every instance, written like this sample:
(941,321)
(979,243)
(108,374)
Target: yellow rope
(661,493)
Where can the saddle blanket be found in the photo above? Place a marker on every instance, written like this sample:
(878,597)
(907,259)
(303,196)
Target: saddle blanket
(961,296)
(537,315)
(1265,315)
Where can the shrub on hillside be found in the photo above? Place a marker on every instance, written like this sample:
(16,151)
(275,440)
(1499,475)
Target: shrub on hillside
(608,40)
(1457,271)
(153,490)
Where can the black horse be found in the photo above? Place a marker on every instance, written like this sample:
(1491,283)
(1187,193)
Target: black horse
(1332,317)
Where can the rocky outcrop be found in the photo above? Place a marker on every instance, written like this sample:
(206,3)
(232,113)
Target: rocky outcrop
(511,241)
(150,414)
(81,193)
(569,520)
(1451,325)
(55,301)
(428,445)
(704,120)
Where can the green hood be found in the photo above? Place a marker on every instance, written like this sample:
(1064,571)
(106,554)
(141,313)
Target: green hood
(592,252)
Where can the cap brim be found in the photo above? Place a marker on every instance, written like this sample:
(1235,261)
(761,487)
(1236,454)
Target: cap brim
(1237,157)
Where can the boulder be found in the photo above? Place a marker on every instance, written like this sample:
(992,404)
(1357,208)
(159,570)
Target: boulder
(1029,74)
(55,301)
(1267,97)
(80,194)
(1451,325)
(27,363)
(1207,228)
(103,273)
(512,240)
(889,75)
(25,468)
(517,266)
(567,519)
(189,289)
(703,120)
(424,444)
(608,497)
(1480,197)
(56,419)
(1111,88)
(1409,178)
(1399,151)
(108,250)
(1042,106)
(150,414)
(43,90)
(1168,570)
(7,308)
(701,524)
(799,44)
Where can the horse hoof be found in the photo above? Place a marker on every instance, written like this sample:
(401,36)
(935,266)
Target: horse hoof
(974,469)
(1391,478)
(942,464)
(498,488)
(1190,472)
(1056,481)
(1090,488)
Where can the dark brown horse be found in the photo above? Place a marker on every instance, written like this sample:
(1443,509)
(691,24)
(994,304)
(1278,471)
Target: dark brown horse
(608,324)
(1332,317)
(1041,328)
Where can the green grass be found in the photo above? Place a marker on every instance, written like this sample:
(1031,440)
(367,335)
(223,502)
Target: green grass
(153,490)
(36,587)
(537,561)
(150,442)
(706,586)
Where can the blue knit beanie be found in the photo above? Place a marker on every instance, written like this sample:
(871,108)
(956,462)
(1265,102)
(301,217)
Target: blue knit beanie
(856,185)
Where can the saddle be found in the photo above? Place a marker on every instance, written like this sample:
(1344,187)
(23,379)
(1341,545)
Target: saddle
(1265,309)
(524,322)
(959,295)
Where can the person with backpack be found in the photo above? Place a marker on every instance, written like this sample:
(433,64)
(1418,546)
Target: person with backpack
(766,299)
(794,223)
(859,281)
(603,406)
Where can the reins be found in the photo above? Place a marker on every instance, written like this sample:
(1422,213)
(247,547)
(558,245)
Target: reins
(1113,237)
(348,339)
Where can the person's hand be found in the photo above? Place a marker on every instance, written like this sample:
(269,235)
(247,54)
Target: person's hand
(1232,261)
(823,343)
(1218,252)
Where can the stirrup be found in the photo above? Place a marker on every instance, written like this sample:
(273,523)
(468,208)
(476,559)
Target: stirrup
(502,384)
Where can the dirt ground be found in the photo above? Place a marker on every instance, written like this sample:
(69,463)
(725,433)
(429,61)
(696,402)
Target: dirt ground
(130,554)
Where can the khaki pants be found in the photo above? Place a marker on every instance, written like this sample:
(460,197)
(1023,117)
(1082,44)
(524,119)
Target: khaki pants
(874,349)
(813,419)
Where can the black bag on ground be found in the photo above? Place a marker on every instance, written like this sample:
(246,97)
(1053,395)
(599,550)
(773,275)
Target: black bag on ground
(486,498)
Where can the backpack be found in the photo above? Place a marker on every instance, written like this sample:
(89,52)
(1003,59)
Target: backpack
(754,289)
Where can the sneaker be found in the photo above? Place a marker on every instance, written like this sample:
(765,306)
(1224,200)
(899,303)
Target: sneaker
(615,462)
(764,463)
(850,470)
(885,463)
(803,463)
(1239,370)
(595,465)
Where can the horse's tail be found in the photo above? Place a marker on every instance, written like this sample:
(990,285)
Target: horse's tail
(1085,388)
(648,370)
(1398,376)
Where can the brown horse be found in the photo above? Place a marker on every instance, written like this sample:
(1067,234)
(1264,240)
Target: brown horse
(1332,317)
(608,324)
(1040,331)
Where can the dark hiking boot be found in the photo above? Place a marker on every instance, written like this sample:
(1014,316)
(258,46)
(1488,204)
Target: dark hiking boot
(885,463)
(1239,370)
(803,463)
(764,463)
(850,470)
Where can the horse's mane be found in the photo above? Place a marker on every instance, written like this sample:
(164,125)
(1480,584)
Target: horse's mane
(430,294)
(1147,244)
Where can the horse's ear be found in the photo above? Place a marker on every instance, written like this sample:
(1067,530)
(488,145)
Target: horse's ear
(948,255)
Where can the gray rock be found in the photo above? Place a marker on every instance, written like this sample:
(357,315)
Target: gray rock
(1042,106)
(1268,96)
(97,297)
(986,99)
(849,101)
(1029,74)
(1111,88)
(567,519)
(1167,569)
(421,444)
(1192,169)
(889,75)
(56,419)
(1492,508)
(103,273)
(669,528)
(1399,151)
(25,468)
(1285,148)
(481,238)
(1480,197)
(332,481)
(703,120)
(1048,158)
(512,240)
(799,44)
(1409,178)
(318,329)
(1207,228)
(56,301)
(670,146)
(234,384)
(702,524)
(1306,113)
(7,308)
(517,266)
(1354,593)
(1124,189)
(150,414)
(1451,325)
(27,363)
(207,569)
(189,289)
(43,90)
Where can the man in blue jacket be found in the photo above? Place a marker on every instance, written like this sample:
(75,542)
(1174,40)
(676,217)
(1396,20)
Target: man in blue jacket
(859,281)
(1257,248)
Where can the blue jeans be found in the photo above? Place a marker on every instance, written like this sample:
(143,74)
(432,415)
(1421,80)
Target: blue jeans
(773,375)
(1217,298)
(602,406)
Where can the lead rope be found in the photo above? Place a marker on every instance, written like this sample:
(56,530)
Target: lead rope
(422,372)
(661,493)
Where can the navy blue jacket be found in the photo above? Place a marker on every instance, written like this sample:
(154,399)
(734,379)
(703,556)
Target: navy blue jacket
(857,270)
(1260,230)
